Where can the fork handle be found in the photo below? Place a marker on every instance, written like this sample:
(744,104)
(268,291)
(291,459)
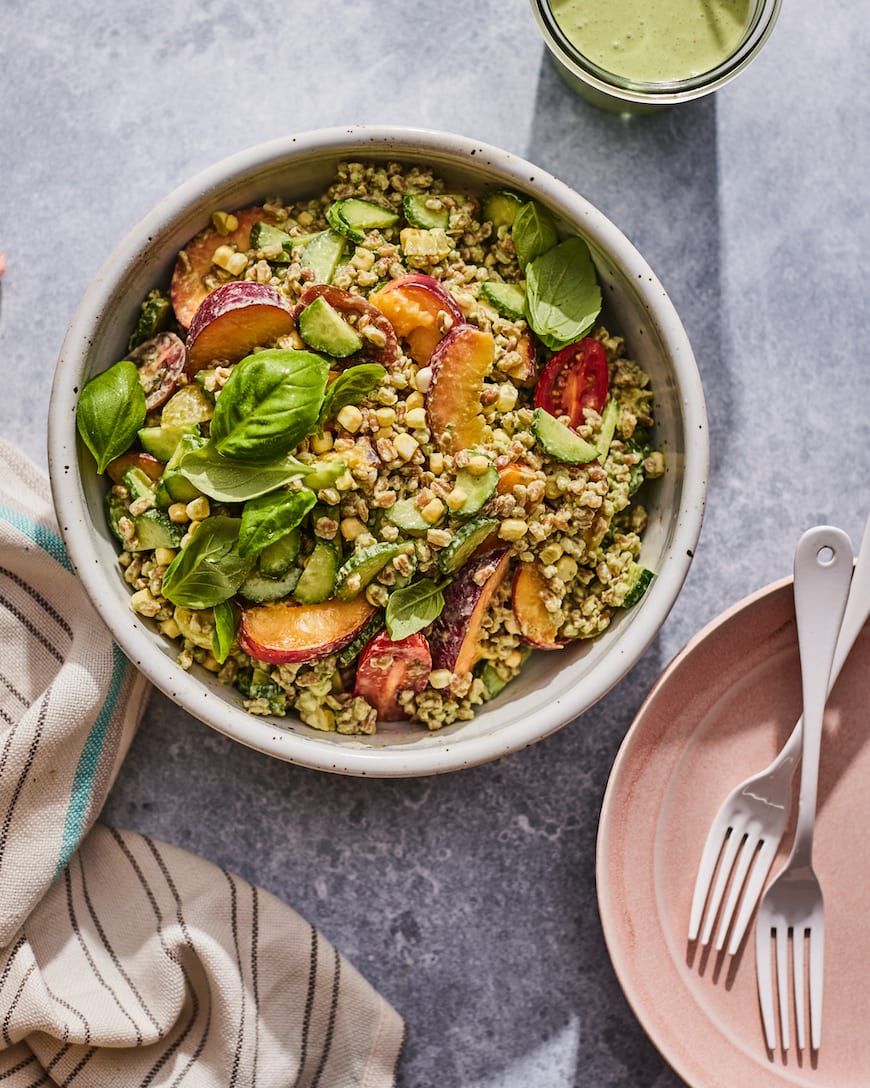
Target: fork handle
(822,573)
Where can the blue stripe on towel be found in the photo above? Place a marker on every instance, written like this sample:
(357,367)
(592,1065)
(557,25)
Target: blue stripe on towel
(47,540)
(89,760)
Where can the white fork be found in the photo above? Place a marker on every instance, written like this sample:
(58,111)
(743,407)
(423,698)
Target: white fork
(793,905)
(751,820)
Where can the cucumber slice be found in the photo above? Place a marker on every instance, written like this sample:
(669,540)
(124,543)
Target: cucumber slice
(364,564)
(500,206)
(639,582)
(466,540)
(154,530)
(138,483)
(260,589)
(508,298)
(559,441)
(323,328)
(352,651)
(416,210)
(162,442)
(478,489)
(323,254)
(278,557)
(317,580)
(406,516)
(154,318)
(609,419)
(115,510)
(323,474)
(354,218)
(267,236)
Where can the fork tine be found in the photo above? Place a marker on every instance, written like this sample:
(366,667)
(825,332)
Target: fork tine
(817,963)
(748,850)
(751,892)
(798,938)
(764,976)
(729,850)
(782,981)
(716,836)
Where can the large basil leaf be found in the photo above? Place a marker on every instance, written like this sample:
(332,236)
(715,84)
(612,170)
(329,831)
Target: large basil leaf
(111,409)
(416,606)
(233,481)
(563,298)
(349,388)
(209,569)
(533,232)
(269,517)
(270,402)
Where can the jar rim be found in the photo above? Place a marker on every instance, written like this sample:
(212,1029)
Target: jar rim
(763,18)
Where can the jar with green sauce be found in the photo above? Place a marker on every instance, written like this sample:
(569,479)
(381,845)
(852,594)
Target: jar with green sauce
(636,55)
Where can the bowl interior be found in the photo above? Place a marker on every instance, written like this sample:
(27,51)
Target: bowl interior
(554,687)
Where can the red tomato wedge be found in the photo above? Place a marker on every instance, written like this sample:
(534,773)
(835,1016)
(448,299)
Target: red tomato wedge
(387,668)
(575,378)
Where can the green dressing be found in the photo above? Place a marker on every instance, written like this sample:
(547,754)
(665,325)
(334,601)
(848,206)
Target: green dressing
(654,40)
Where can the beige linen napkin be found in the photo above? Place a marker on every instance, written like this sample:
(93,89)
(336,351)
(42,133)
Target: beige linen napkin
(125,961)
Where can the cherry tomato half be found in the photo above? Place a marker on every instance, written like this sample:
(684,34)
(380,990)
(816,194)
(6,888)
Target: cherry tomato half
(575,378)
(387,668)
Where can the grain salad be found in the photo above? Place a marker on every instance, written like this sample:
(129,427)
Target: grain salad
(367,451)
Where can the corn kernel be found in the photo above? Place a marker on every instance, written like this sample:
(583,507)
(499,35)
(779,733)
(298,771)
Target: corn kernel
(512,529)
(321,443)
(237,264)
(423,379)
(170,628)
(438,538)
(406,446)
(178,513)
(507,397)
(386,416)
(384,432)
(566,568)
(350,417)
(550,553)
(478,464)
(224,222)
(416,418)
(414,400)
(345,482)
(164,556)
(351,528)
(222,256)
(144,603)
(440,678)
(456,499)
(432,511)
(198,509)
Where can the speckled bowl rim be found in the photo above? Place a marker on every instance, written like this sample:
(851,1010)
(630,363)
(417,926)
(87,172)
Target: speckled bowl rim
(562,700)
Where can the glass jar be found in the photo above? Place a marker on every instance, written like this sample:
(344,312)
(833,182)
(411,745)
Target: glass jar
(622,94)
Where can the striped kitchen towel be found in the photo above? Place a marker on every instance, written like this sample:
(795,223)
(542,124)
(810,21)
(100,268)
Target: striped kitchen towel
(125,961)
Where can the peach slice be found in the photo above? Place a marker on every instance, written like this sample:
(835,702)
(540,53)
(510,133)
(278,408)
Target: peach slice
(387,668)
(415,305)
(538,627)
(233,320)
(282,631)
(454,638)
(513,474)
(459,364)
(188,287)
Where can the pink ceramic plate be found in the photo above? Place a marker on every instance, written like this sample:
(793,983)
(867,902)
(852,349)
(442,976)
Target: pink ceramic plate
(718,713)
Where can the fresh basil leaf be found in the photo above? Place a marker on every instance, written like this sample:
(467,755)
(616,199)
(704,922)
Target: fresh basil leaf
(269,517)
(533,232)
(270,402)
(111,409)
(226,619)
(209,569)
(233,481)
(349,388)
(563,298)
(416,606)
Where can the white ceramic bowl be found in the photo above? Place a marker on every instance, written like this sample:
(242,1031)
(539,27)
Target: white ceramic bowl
(554,688)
